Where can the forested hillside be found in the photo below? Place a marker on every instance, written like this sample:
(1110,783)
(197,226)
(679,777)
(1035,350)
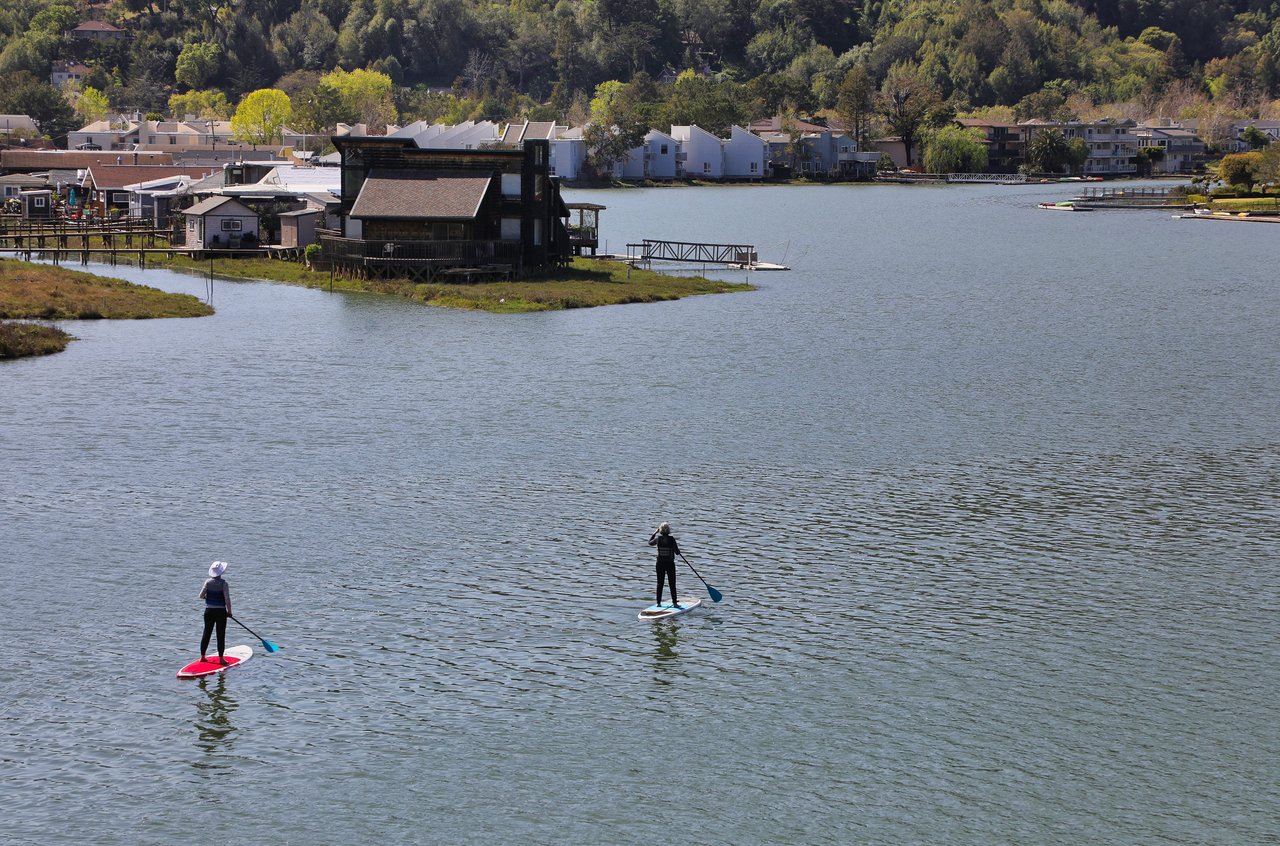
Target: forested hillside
(459,59)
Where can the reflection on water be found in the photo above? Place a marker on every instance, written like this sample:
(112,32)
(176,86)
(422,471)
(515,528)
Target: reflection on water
(214,729)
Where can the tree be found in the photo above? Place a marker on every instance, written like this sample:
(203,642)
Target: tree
(621,116)
(207,105)
(92,105)
(1240,169)
(855,104)
(366,96)
(713,106)
(905,102)
(1254,137)
(1048,151)
(261,115)
(23,94)
(953,149)
(197,64)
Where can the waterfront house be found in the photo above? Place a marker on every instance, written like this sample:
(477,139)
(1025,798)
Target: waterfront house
(1005,142)
(221,223)
(468,135)
(744,154)
(1182,150)
(700,155)
(422,212)
(568,153)
(654,159)
(1113,147)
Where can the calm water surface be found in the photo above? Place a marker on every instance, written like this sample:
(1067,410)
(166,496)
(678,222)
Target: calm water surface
(991,494)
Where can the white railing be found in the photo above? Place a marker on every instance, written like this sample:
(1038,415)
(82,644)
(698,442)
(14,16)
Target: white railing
(1002,178)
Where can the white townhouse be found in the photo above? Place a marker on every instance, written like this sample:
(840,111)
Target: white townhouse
(468,135)
(701,154)
(655,159)
(745,154)
(568,153)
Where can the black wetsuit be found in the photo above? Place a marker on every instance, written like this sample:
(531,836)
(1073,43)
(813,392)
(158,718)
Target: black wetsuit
(667,551)
(216,595)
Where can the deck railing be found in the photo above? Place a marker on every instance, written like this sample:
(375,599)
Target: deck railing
(406,252)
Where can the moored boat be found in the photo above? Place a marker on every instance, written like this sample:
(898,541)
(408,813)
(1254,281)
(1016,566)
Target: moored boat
(1068,206)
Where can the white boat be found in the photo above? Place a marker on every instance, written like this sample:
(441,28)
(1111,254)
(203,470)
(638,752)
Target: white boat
(1068,206)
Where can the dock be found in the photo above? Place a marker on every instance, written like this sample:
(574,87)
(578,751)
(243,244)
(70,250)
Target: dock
(1236,217)
(1133,198)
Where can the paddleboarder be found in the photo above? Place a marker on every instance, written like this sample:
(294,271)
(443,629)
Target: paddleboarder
(216,594)
(668,549)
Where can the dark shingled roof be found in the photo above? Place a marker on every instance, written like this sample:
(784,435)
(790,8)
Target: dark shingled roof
(401,194)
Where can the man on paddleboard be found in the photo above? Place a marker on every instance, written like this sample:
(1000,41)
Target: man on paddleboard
(216,594)
(668,549)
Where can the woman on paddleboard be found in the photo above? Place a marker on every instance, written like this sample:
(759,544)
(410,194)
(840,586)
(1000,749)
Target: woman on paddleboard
(216,594)
(668,549)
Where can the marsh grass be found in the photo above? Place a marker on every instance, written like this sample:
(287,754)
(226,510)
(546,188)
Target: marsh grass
(18,340)
(586,283)
(57,293)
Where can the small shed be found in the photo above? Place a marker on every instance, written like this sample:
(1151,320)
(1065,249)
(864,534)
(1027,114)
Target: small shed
(221,223)
(37,205)
(298,228)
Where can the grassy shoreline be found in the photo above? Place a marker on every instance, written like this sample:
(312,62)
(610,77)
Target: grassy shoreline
(586,283)
(44,292)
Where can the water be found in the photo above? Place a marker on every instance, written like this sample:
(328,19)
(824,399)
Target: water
(990,493)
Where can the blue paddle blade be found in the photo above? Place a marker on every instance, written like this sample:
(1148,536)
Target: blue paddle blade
(716,595)
(271,647)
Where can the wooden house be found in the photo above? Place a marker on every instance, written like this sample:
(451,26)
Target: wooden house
(412,212)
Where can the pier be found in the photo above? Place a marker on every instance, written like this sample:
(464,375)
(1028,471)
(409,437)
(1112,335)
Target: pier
(738,256)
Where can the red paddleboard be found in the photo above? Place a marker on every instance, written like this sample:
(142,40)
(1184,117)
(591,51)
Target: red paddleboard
(235,656)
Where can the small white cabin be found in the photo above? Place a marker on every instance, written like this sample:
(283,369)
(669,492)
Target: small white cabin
(221,223)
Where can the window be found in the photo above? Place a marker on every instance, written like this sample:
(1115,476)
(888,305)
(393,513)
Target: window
(120,197)
(754,166)
(706,167)
(151,139)
(173,139)
(39,202)
(662,151)
(457,231)
(232,224)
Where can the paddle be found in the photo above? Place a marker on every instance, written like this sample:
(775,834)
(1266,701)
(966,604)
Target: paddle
(266,644)
(716,595)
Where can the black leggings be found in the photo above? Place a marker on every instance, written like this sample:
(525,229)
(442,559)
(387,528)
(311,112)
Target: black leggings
(214,617)
(667,569)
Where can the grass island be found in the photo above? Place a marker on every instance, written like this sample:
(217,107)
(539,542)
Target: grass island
(45,292)
(585,283)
